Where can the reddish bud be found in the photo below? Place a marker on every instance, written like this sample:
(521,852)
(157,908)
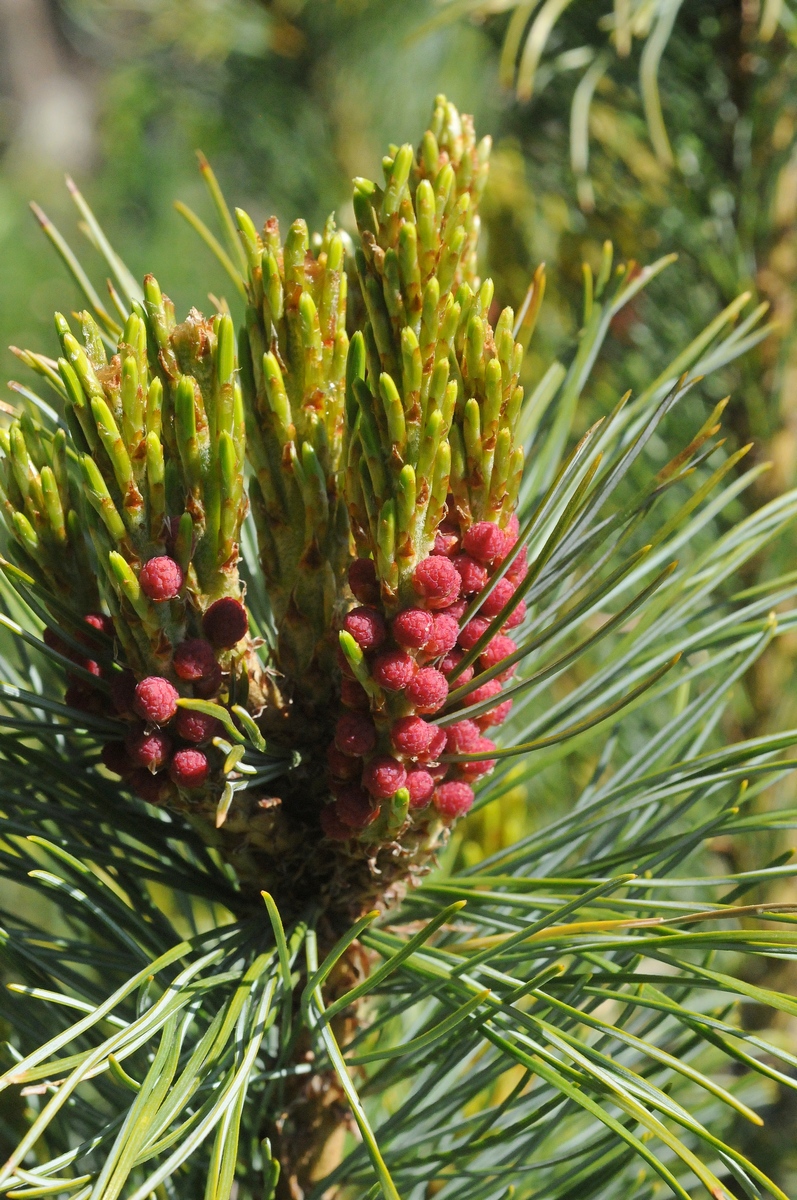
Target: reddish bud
(413,627)
(150,751)
(499,648)
(383,776)
(354,807)
(161,578)
(515,618)
(474,770)
(462,737)
(518,570)
(411,736)
(354,695)
(100,622)
(437,746)
(453,659)
(443,637)
(486,692)
(194,659)
(484,541)
(197,727)
(155,700)
(495,716)
(472,573)
(470,633)
(341,765)
(503,591)
(208,687)
(225,622)
(363,581)
(437,580)
(456,610)
(428,690)
(332,826)
(155,789)
(189,768)
(420,785)
(453,799)
(393,669)
(355,735)
(366,626)
(446,540)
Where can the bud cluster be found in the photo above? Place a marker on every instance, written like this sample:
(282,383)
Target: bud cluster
(155,477)
(293,366)
(432,478)
(396,676)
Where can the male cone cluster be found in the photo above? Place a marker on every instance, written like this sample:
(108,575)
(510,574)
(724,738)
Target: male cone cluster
(384,477)
(431,482)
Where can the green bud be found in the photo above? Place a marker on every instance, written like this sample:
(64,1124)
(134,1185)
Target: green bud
(26,535)
(405,514)
(391,288)
(357,661)
(430,154)
(398,808)
(154,407)
(185,421)
(430,441)
(132,405)
(79,406)
(430,321)
(156,491)
(410,273)
(459,486)
(77,357)
(294,255)
(52,505)
(439,493)
(397,183)
(278,399)
(364,213)
(272,287)
(355,369)
(100,498)
(372,445)
(127,583)
(231,474)
(386,565)
(394,412)
(249,238)
(500,472)
(310,329)
(114,446)
(428,237)
(444,190)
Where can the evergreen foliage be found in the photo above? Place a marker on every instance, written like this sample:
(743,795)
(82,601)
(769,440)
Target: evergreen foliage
(562,1016)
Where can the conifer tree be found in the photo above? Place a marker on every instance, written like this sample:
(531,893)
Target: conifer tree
(237,744)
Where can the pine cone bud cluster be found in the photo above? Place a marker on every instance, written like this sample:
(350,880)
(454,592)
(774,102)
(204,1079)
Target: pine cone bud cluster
(384,476)
(389,743)
(432,476)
